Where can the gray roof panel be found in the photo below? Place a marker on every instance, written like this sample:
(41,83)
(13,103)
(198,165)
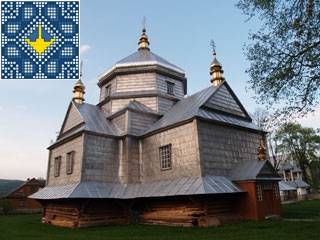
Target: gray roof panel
(283,186)
(184,109)
(143,57)
(175,187)
(253,170)
(192,106)
(298,184)
(94,119)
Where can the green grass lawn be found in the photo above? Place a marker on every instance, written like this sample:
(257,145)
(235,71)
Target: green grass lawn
(29,227)
(302,210)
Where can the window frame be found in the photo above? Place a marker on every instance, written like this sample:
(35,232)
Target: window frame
(165,156)
(57,165)
(259,192)
(70,162)
(107,90)
(170,88)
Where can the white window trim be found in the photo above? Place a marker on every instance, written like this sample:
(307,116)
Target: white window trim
(165,155)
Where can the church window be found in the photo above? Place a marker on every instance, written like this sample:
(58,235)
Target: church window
(259,192)
(70,161)
(170,88)
(107,91)
(276,190)
(165,157)
(57,163)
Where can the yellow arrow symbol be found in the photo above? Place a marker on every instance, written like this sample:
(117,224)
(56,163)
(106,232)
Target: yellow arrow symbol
(40,45)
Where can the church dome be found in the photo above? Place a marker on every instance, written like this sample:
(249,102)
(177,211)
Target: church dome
(143,60)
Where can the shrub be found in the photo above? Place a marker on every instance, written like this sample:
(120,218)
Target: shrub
(6,206)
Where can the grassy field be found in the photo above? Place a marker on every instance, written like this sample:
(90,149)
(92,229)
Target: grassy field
(29,227)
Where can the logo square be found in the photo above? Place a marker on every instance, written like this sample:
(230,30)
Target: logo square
(40,39)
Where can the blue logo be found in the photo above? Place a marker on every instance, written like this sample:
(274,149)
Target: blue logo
(39,39)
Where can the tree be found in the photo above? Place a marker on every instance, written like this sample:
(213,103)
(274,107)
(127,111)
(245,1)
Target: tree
(302,143)
(262,119)
(6,206)
(284,54)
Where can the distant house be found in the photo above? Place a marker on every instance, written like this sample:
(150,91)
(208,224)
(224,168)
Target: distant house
(19,196)
(292,186)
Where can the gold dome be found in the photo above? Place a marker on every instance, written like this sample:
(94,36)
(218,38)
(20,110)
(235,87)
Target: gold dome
(143,41)
(216,71)
(79,92)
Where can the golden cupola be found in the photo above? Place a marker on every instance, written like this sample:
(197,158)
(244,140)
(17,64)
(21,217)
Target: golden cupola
(261,152)
(216,71)
(78,92)
(143,41)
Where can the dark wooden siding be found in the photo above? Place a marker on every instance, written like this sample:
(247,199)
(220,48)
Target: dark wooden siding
(224,101)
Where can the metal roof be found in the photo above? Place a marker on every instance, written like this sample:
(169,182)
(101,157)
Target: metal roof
(174,187)
(283,186)
(298,184)
(253,170)
(135,106)
(93,121)
(183,110)
(192,106)
(143,57)
(289,166)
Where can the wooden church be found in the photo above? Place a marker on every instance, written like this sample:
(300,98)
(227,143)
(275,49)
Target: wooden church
(147,154)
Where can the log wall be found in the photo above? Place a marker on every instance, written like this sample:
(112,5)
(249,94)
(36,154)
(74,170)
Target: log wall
(186,211)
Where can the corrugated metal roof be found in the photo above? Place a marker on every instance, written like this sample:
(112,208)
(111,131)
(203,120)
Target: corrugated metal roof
(190,107)
(283,186)
(175,187)
(253,170)
(289,166)
(94,121)
(143,57)
(298,184)
(184,109)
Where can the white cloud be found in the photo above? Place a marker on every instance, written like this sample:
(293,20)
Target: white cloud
(21,107)
(84,48)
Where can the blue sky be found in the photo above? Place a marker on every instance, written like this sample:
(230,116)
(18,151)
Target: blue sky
(32,111)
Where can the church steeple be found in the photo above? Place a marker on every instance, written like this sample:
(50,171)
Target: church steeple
(143,41)
(78,91)
(216,71)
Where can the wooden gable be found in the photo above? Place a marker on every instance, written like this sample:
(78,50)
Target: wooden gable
(268,172)
(224,100)
(73,118)
(254,170)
